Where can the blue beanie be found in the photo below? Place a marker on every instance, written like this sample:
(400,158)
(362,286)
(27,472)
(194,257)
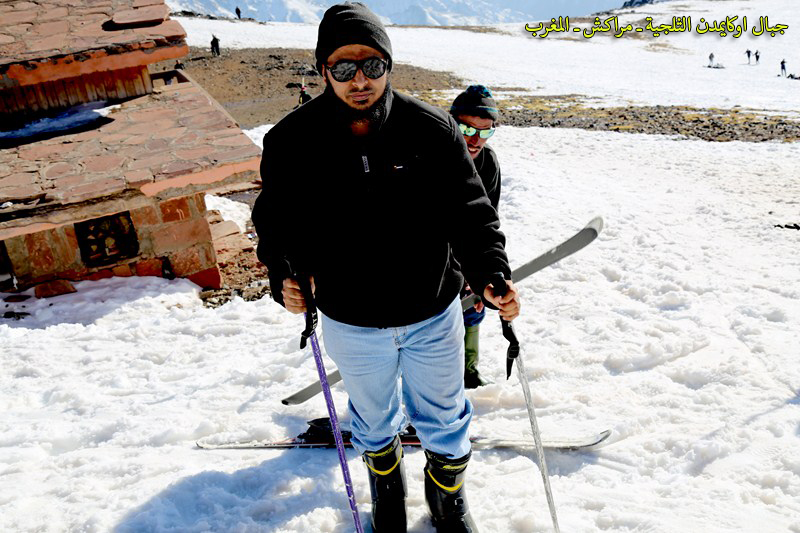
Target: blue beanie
(476,100)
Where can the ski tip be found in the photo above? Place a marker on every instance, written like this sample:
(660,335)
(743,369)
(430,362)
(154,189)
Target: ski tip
(602,437)
(295,399)
(596,224)
(589,444)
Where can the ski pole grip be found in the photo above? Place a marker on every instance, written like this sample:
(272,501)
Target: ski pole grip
(498,281)
(311,308)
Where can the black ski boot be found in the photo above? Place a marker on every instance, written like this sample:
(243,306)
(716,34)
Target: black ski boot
(387,483)
(444,490)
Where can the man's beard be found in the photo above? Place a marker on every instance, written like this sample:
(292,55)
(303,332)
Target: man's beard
(373,115)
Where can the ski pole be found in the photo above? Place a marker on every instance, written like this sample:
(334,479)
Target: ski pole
(500,288)
(309,332)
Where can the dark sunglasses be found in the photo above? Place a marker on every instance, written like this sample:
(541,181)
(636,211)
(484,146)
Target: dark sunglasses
(345,70)
(469,131)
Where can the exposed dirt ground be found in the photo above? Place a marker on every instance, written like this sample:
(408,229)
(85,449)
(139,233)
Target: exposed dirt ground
(259,86)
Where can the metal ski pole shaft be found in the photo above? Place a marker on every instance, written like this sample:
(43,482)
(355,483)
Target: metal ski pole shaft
(309,332)
(500,288)
(337,432)
(537,438)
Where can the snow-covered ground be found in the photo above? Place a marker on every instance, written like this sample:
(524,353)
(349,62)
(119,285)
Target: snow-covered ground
(668,69)
(414,12)
(678,329)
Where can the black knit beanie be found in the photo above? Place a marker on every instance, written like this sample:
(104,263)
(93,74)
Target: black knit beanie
(477,101)
(351,23)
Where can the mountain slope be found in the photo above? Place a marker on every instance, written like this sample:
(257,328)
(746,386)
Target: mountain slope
(637,3)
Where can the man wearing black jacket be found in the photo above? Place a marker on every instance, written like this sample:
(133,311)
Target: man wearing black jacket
(373,221)
(476,113)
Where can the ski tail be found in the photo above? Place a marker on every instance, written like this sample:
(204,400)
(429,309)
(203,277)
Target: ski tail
(577,242)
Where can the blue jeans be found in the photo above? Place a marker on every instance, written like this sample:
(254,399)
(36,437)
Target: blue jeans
(429,355)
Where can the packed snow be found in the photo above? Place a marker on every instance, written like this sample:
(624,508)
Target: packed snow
(677,329)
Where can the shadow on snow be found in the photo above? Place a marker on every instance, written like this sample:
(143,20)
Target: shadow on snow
(266,497)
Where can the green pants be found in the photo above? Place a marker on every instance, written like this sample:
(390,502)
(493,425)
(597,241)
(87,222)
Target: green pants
(472,378)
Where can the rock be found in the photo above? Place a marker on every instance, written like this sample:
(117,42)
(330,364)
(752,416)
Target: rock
(15,298)
(57,287)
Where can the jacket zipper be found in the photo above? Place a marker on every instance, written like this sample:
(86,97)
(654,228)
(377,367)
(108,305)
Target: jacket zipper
(366,164)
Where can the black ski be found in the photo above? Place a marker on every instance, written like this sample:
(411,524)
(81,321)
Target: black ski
(319,435)
(312,390)
(575,243)
(565,249)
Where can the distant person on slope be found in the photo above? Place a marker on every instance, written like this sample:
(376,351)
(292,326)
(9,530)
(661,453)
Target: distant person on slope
(758,56)
(748,53)
(238,12)
(214,46)
(394,193)
(476,113)
(783,67)
(711,59)
(304,96)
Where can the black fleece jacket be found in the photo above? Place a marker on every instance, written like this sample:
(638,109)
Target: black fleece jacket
(489,171)
(374,218)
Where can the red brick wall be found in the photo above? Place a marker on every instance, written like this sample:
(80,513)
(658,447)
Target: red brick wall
(174,236)
(38,257)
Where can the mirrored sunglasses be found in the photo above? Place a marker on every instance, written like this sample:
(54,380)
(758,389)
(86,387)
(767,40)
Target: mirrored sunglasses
(345,70)
(469,131)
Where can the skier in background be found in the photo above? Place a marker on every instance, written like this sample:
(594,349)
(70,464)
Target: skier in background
(748,53)
(395,192)
(304,96)
(238,12)
(476,113)
(711,59)
(177,66)
(783,67)
(214,46)
(758,56)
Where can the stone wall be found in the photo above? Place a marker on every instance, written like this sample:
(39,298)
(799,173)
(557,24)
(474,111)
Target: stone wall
(174,240)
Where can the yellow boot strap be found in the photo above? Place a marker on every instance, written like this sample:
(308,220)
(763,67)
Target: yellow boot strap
(384,472)
(384,452)
(448,489)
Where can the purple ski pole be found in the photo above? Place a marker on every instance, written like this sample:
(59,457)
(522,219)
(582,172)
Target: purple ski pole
(311,324)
